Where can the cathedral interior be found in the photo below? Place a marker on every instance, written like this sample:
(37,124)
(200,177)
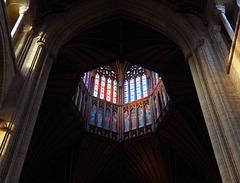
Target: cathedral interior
(117,98)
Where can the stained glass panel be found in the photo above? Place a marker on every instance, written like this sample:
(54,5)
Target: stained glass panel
(114,91)
(88,79)
(96,84)
(114,121)
(144,85)
(126,91)
(107,118)
(133,119)
(148,114)
(126,121)
(138,85)
(156,107)
(140,117)
(157,78)
(132,89)
(102,89)
(109,86)
(93,114)
(100,117)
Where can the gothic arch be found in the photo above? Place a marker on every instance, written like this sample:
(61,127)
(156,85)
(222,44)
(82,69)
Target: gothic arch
(194,45)
(78,20)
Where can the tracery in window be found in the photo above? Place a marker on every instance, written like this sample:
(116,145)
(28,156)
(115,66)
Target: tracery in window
(102,89)
(96,85)
(137,79)
(126,91)
(114,92)
(138,85)
(109,87)
(132,89)
(144,85)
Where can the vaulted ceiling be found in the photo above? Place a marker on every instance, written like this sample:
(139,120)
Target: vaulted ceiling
(62,151)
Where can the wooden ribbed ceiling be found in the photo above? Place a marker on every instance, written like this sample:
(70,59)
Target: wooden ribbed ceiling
(62,151)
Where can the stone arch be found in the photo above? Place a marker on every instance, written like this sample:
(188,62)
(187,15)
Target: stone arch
(78,20)
(194,45)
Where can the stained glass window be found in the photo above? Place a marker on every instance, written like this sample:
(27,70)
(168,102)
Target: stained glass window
(87,82)
(96,84)
(144,85)
(114,92)
(102,89)
(109,86)
(157,78)
(132,89)
(126,91)
(138,85)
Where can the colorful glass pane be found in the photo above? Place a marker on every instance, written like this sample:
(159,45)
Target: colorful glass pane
(109,86)
(93,114)
(107,118)
(144,85)
(126,91)
(100,117)
(164,97)
(133,119)
(153,79)
(114,121)
(140,116)
(96,84)
(114,91)
(88,79)
(157,78)
(126,121)
(156,107)
(138,85)
(102,89)
(132,90)
(148,114)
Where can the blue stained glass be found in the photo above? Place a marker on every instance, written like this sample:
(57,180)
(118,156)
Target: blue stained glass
(133,119)
(156,107)
(107,118)
(132,89)
(126,121)
(148,114)
(100,116)
(93,114)
(126,91)
(140,117)
(138,87)
(144,85)
(114,121)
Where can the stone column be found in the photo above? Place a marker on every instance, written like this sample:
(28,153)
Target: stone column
(227,25)
(22,12)
(30,85)
(220,110)
(223,51)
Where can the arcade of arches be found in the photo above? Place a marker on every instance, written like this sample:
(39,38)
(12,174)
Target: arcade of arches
(119,91)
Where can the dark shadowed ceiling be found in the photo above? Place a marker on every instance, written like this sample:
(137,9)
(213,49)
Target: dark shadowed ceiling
(42,8)
(62,151)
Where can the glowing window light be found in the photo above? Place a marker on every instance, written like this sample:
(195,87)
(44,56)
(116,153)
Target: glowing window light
(144,85)
(102,89)
(109,84)
(138,85)
(157,78)
(132,89)
(85,77)
(114,91)
(126,91)
(96,84)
